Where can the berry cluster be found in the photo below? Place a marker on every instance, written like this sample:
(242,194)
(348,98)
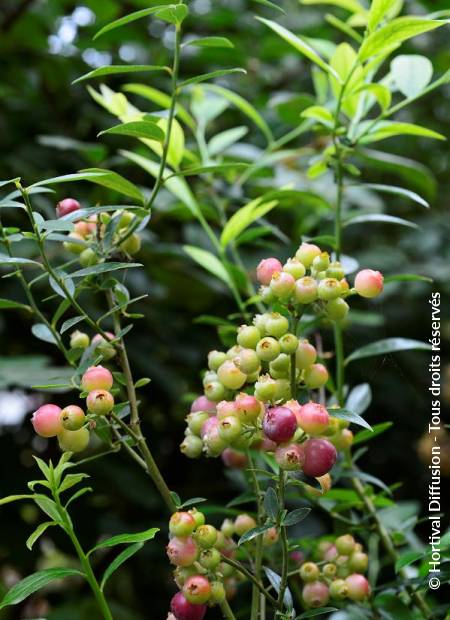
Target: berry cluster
(337,575)
(100,344)
(86,238)
(71,425)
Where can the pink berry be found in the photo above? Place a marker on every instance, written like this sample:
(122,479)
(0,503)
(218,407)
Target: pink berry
(358,587)
(290,458)
(74,441)
(305,290)
(313,418)
(279,424)
(102,345)
(183,610)
(96,378)
(182,524)
(68,205)
(225,409)
(315,594)
(243,523)
(330,553)
(209,426)
(248,408)
(182,551)
(320,456)
(203,404)
(282,285)
(266,268)
(197,590)
(297,557)
(369,283)
(307,252)
(72,417)
(100,402)
(47,421)
(270,537)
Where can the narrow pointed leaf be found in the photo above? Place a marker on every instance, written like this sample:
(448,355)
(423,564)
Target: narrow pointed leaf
(102,268)
(389,345)
(210,42)
(349,416)
(123,539)
(119,560)
(400,191)
(37,533)
(35,582)
(127,19)
(118,70)
(210,76)
(209,262)
(379,217)
(137,129)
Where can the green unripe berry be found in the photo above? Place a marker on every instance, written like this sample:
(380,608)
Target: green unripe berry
(216,359)
(283,389)
(198,516)
(248,361)
(72,418)
(338,589)
(227,528)
(218,593)
(206,536)
(210,558)
(230,429)
(309,571)
(74,441)
(268,349)
(248,336)
(329,570)
(335,270)
(276,325)
(267,295)
(88,257)
(265,388)
(358,562)
(132,245)
(328,289)
(126,218)
(215,391)
(288,344)
(279,367)
(321,262)
(337,309)
(79,340)
(231,376)
(294,267)
(71,244)
(282,285)
(195,421)
(345,544)
(306,253)
(181,524)
(315,376)
(192,446)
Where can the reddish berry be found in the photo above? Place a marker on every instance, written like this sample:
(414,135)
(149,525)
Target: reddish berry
(320,456)
(315,594)
(225,409)
(270,537)
(231,376)
(290,458)
(313,418)
(47,421)
(297,556)
(279,424)
(213,443)
(74,441)
(315,376)
(305,354)
(243,523)
(330,552)
(182,551)
(209,425)
(309,571)
(182,609)
(305,290)
(369,283)
(323,547)
(203,404)
(100,402)
(72,418)
(307,252)
(266,269)
(182,524)
(197,590)
(358,587)
(198,516)
(96,378)
(248,408)
(66,206)
(282,285)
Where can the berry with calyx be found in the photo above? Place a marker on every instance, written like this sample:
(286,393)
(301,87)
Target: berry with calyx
(181,573)
(182,551)
(215,391)
(100,402)
(132,245)
(247,361)
(305,290)
(315,594)
(338,588)
(47,421)
(243,524)
(358,587)
(320,456)
(201,403)
(268,349)
(265,388)
(321,262)
(335,270)
(72,418)
(88,258)
(345,544)
(181,524)
(279,424)
(270,537)
(102,345)
(248,336)
(307,252)
(305,355)
(66,206)
(309,571)
(282,285)
(291,457)
(266,269)
(210,558)
(198,516)
(329,288)
(358,562)
(192,447)
(313,418)
(227,528)
(225,409)
(195,421)
(218,593)
(79,340)
(72,244)
(337,309)
(230,429)
(231,376)
(206,536)
(74,441)
(247,408)
(315,376)
(294,267)
(276,325)
(96,378)
(329,570)
(369,283)
(216,359)
(288,343)
(182,609)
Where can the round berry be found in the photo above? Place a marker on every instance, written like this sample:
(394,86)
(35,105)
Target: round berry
(329,288)
(279,424)
(295,267)
(297,556)
(72,418)
(203,404)
(96,378)
(358,562)
(305,354)
(288,343)
(309,571)
(206,536)
(234,459)
(106,350)
(265,388)
(280,366)
(305,290)
(345,544)
(198,516)
(338,588)
(227,528)
(337,309)
(306,253)
(315,376)
(335,270)
(282,285)
(266,269)
(192,447)
(195,421)
(276,324)
(283,389)
(369,283)
(182,609)
(320,456)
(47,421)
(248,336)
(313,418)
(247,361)
(213,443)
(132,245)
(329,570)
(321,262)
(267,295)
(248,408)
(268,349)
(358,587)
(215,391)
(182,551)
(210,558)
(330,552)
(75,243)
(243,524)
(66,206)
(79,340)
(230,429)
(231,376)
(291,457)
(216,359)
(74,441)
(315,594)
(182,524)
(100,402)
(218,593)
(270,537)
(88,257)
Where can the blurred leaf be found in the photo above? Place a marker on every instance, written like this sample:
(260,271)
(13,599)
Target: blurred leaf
(10,260)
(316,612)
(359,398)
(209,262)
(411,73)
(406,277)
(353,6)
(121,539)
(389,345)
(378,217)
(37,533)
(118,69)
(221,141)
(70,323)
(42,332)
(161,99)
(377,13)
(35,582)
(118,561)
(127,19)
(113,180)
(209,76)
(137,129)
(241,219)
(408,558)
(174,14)
(388,129)
(349,416)
(9,304)
(400,191)
(103,268)
(209,42)
(378,429)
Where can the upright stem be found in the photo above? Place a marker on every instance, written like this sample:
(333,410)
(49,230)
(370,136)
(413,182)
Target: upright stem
(284,543)
(259,546)
(227,612)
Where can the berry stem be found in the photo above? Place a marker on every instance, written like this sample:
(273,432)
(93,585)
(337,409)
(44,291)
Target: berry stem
(255,608)
(244,571)
(284,542)
(227,612)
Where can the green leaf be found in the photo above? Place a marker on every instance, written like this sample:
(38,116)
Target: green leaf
(271,505)
(378,429)
(209,262)
(37,533)
(296,516)
(245,216)
(7,304)
(102,268)
(349,416)
(71,480)
(195,170)
(275,581)
(209,42)
(300,45)
(389,345)
(254,533)
(192,502)
(411,73)
(14,498)
(320,114)
(127,19)
(113,180)
(210,76)
(406,277)
(352,6)
(68,178)
(173,14)
(316,612)
(48,506)
(388,129)
(390,36)
(400,191)
(407,558)
(70,323)
(35,582)
(379,217)
(141,382)
(271,5)
(42,332)
(137,129)
(11,260)
(224,139)
(359,398)
(377,12)
(161,99)
(122,539)
(119,69)
(118,561)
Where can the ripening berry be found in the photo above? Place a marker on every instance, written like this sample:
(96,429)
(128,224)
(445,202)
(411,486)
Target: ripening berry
(295,267)
(265,388)
(331,553)
(270,537)
(72,418)
(305,290)
(297,557)
(266,294)
(100,402)
(358,587)
(181,524)
(231,376)
(268,349)
(337,309)
(73,441)
(201,403)
(192,447)
(315,376)
(215,359)
(182,609)
(102,345)
(329,570)
(210,558)
(46,421)
(305,354)
(73,243)
(215,391)
(88,258)
(259,321)
(309,571)
(282,285)
(234,459)
(345,544)
(266,269)
(322,548)
(85,229)
(313,418)
(315,594)
(206,536)
(279,424)
(247,361)
(248,336)
(329,288)
(225,409)
(335,270)
(227,528)
(243,524)
(248,408)
(358,562)
(294,406)
(132,245)
(213,443)
(66,206)
(321,262)
(369,283)
(209,425)
(291,457)
(276,325)
(288,343)
(230,429)
(182,551)
(96,378)
(320,456)
(79,340)
(307,252)
(218,593)
(338,588)
(198,516)
(195,421)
